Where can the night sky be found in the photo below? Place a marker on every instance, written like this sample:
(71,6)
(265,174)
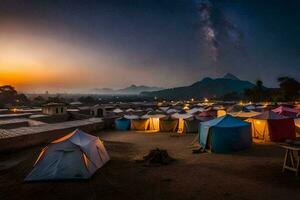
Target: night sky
(71,45)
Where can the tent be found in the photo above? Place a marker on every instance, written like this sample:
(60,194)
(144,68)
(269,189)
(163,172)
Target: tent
(153,118)
(297,125)
(250,107)
(187,123)
(171,111)
(164,109)
(168,124)
(118,111)
(139,124)
(236,108)
(221,113)
(225,134)
(195,110)
(245,114)
(286,111)
(75,156)
(270,126)
(122,124)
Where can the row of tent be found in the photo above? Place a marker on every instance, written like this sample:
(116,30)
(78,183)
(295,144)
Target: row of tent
(79,155)
(188,123)
(227,133)
(180,123)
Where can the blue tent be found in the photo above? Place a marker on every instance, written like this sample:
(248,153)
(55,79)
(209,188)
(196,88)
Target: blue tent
(122,124)
(225,134)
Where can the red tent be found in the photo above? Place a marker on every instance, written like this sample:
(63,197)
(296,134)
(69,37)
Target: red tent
(270,126)
(286,111)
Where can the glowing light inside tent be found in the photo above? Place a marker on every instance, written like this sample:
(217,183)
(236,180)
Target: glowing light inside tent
(221,113)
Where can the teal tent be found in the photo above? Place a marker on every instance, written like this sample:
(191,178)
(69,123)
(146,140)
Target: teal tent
(122,124)
(225,134)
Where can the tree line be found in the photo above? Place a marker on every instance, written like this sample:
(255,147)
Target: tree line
(289,90)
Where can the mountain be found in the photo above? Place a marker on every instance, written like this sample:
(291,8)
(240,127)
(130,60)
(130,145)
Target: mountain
(131,90)
(230,76)
(207,87)
(103,91)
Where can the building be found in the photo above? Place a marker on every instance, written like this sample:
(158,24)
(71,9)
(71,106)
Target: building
(54,109)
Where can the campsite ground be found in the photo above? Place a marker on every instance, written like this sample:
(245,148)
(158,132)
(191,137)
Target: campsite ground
(251,174)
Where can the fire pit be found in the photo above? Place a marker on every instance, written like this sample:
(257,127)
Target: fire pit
(157,157)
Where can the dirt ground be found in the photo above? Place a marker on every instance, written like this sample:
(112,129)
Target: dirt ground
(251,174)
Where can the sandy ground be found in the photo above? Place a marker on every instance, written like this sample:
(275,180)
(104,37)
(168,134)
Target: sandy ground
(251,174)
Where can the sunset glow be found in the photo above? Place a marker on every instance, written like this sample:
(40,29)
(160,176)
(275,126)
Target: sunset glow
(54,49)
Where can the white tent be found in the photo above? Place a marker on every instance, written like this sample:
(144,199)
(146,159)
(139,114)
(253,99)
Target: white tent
(195,110)
(129,110)
(172,110)
(164,108)
(76,156)
(244,115)
(117,110)
(131,117)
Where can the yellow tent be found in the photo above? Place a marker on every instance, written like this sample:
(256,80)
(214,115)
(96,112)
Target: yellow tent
(297,126)
(139,124)
(154,124)
(153,121)
(221,113)
(270,126)
(260,129)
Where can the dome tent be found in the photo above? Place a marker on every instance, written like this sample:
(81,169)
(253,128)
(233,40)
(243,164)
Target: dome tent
(270,126)
(225,134)
(75,156)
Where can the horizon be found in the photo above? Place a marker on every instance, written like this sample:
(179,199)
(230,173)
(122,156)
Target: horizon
(64,47)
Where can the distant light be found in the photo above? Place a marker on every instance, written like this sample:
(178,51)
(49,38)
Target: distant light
(186,107)
(206,100)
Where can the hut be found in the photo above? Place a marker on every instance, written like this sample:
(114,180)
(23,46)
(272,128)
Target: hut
(270,126)
(225,134)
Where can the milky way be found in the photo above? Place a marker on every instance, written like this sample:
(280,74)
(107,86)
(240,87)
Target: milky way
(219,33)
